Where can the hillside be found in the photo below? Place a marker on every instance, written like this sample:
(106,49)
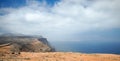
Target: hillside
(14,44)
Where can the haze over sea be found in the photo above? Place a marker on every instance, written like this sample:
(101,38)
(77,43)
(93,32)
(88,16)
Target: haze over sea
(87,47)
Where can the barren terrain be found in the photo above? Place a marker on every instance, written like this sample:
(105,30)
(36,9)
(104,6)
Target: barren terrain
(60,56)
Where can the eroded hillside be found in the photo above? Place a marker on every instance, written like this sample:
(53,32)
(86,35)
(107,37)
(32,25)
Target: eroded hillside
(16,44)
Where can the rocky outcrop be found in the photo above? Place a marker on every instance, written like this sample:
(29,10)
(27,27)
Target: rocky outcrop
(44,40)
(17,44)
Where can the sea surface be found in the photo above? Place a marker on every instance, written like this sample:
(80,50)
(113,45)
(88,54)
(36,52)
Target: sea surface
(87,47)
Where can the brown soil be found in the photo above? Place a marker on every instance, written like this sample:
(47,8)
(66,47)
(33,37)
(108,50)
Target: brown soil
(60,56)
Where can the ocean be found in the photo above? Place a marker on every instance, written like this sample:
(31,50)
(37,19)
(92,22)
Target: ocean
(87,47)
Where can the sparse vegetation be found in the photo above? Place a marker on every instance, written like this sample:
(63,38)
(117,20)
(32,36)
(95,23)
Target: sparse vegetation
(60,56)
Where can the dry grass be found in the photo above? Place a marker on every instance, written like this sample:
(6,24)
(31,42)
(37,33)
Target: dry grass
(60,56)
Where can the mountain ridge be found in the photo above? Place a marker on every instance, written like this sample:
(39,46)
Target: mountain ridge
(24,43)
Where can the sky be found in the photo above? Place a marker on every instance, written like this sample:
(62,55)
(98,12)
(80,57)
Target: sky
(62,20)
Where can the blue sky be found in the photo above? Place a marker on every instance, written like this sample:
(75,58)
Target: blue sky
(62,20)
(20,3)
(12,3)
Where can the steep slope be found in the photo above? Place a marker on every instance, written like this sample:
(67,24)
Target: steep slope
(24,43)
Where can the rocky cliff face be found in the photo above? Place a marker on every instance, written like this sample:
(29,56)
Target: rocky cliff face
(17,44)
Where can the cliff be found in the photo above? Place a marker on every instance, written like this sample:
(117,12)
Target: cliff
(22,43)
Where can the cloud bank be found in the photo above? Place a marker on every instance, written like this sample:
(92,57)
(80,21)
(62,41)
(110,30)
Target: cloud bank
(63,19)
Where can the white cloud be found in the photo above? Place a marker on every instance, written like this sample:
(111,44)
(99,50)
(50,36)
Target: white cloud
(63,19)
